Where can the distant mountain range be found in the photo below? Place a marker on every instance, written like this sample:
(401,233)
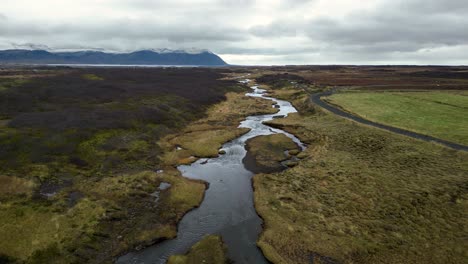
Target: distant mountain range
(142,57)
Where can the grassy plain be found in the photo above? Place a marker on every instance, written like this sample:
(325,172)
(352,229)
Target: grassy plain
(362,195)
(441,114)
(80,148)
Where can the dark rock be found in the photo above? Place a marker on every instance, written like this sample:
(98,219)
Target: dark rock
(290,163)
(278,116)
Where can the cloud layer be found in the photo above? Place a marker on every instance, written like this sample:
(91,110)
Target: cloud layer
(250,31)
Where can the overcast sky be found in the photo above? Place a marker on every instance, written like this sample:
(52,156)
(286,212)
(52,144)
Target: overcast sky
(250,31)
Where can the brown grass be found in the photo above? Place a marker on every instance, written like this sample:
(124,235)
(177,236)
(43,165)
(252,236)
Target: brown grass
(267,152)
(204,137)
(363,195)
(113,210)
(13,186)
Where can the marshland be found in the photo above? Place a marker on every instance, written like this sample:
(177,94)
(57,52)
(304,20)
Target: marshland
(235,164)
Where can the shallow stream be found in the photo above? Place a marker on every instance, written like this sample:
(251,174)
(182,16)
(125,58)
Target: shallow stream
(228,207)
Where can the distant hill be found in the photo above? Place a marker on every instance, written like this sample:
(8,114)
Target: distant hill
(142,57)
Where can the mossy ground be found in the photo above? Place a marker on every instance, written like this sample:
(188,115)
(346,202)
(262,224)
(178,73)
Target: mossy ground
(92,77)
(265,153)
(77,229)
(14,186)
(209,250)
(362,195)
(204,137)
(77,165)
(6,84)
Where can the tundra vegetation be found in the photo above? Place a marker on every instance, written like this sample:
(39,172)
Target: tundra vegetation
(360,194)
(270,153)
(204,137)
(209,250)
(84,150)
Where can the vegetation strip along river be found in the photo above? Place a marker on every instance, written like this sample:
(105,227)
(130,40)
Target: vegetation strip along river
(228,207)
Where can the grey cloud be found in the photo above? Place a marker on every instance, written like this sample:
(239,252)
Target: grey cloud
(171,32)
(127,29)
(267,51)
(384,29)
(236,3)
(195,6)
(280,28)
(14,29)
(431,6)
(29,46)
(440,56)
(392,30)
(292,3)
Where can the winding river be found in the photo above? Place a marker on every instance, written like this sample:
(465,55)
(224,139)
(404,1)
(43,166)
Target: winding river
(228,207)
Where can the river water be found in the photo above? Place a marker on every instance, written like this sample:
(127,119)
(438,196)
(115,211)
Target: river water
(228,207)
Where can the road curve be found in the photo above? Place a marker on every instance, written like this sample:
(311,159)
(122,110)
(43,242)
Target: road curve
(317,99)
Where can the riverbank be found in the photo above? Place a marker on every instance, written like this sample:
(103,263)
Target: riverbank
(227,209)
(203,138)
(362,195)
(209,250)
(270,153)
(87,179)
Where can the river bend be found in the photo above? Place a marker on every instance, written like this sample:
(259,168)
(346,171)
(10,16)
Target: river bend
(228,207)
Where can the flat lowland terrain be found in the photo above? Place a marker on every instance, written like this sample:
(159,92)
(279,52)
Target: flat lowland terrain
(84,151)
(360,194)
(376,77)
(442,114)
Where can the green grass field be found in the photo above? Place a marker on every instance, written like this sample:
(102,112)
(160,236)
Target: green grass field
(439,114)
(361,195)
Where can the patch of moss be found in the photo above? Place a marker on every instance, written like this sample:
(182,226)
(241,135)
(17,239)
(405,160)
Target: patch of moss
(209,250)
(11,186)
(36,229)
(6,84)
(206,143)
(92,77)
(265,153)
